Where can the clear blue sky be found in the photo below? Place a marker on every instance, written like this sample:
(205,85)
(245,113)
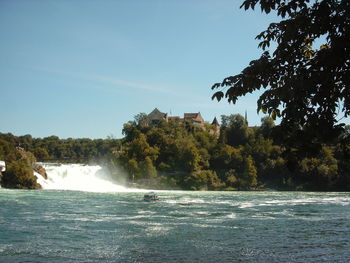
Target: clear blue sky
(83,68)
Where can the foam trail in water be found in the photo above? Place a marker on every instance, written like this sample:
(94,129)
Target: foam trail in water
(79,177)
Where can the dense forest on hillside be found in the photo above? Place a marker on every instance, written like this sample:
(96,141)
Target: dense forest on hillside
(241,157)
(184,156)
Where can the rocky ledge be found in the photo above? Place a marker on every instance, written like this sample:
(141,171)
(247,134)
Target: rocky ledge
(40,170)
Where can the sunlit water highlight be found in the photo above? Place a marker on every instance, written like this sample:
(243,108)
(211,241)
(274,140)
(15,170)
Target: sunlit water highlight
(71,226)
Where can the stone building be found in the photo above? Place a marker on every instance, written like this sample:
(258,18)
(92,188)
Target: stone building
(157,116)
(195,118)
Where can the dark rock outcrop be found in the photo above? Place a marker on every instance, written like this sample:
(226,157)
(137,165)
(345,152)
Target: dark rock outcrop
(40,170)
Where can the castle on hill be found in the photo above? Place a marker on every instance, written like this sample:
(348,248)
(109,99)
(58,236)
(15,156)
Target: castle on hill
(156,116)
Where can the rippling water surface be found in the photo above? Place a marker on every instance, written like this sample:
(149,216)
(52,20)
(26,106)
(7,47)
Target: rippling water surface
(68,226)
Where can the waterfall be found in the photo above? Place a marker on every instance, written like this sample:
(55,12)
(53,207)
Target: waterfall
(79,177)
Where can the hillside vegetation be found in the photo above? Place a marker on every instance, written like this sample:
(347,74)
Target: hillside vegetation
(183,156)
(241,157)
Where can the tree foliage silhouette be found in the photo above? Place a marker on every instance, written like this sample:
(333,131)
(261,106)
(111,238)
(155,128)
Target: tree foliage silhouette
(306,86)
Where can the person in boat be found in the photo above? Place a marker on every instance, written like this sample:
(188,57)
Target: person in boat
(150,197)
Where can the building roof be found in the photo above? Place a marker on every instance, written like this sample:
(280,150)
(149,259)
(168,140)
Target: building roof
(194,117)
(156,111)
(215,122)
(157,114)
(174,118)
(191,115)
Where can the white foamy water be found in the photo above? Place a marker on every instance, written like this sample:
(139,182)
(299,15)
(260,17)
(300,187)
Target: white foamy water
(79,177)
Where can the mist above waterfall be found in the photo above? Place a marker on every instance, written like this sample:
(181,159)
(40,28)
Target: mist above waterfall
(79,177)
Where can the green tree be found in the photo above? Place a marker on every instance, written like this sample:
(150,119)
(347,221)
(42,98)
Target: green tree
(7,152)
(203,180)
(249,176)
(236,129)
(267,125)
(19,175)
(140,149)
(141,119)
(319,172)
(191,158)
(307,87)
(130,131)
(225,157)
(133,168)
(148,168)
(231,179)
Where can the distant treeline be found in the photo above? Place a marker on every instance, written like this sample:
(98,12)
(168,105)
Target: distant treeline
(63,150)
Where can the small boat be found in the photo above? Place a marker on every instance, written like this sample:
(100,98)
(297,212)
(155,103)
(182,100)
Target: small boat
(150,197)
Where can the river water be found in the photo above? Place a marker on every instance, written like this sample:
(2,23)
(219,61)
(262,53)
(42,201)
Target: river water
(78,226)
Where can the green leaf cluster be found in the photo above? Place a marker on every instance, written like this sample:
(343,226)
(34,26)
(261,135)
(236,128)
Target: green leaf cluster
(307,87)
